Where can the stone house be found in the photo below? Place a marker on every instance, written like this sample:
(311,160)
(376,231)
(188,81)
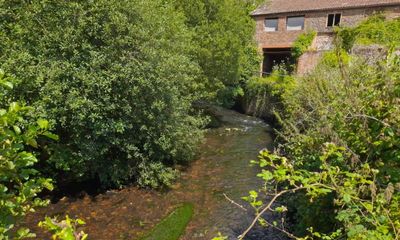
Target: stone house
(280,22)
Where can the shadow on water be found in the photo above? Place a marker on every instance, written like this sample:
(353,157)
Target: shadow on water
(221,168)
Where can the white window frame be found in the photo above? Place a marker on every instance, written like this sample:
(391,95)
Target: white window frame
(298,16)
(270,29)
(334,16)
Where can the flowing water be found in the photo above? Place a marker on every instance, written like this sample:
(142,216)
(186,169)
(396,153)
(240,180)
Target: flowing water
(221,168)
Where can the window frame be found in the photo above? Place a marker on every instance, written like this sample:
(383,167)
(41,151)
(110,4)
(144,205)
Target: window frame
(277,24)
(334,19)
(297,16)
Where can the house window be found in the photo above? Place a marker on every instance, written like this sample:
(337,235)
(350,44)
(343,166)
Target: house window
(334,19)
(295,23)
(271,24)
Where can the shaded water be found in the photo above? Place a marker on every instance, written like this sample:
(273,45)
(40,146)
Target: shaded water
(222,168)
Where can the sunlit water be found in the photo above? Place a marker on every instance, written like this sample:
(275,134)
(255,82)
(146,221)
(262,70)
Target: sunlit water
(221,168)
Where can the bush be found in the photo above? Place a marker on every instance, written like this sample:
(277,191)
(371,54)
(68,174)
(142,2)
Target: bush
(156,175)
(266,93)
(366,209)
(338,152)
(20,183)
(115,78)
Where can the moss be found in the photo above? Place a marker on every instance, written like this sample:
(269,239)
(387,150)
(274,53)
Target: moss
(172,226)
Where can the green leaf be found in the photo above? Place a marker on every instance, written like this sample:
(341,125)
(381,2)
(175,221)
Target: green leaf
(346,198)
(7,84)
(51,136)
(17,130)
(266,175)
(43,124)
(32,142)
(253,194)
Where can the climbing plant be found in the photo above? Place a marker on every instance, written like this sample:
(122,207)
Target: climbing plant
(302,43)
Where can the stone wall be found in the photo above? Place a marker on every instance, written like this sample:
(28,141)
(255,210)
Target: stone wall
(323,42)
(370,53)
(308,61)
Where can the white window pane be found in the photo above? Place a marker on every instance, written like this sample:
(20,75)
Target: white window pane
(295,23)
(271,25)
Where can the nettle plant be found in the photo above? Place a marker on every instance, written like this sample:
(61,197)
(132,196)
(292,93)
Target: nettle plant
(366,209)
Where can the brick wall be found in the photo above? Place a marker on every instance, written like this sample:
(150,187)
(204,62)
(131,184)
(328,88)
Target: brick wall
(278,39)
(313,21)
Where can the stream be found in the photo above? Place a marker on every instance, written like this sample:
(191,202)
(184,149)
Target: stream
(222,168)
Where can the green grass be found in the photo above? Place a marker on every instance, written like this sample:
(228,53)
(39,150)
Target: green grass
(172,226)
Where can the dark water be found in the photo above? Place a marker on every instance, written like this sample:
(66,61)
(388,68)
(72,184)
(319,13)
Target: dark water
(222,168)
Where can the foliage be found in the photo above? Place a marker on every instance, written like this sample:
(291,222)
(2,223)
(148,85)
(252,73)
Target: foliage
(303,43)
(332,58)
(174,225)
(338,152)
(366,209)
(347,37)
(224,45)
(20,183)
(355,107)
(378,30)
(156,175)
(65,229)
(374,30)
(267,92)
(116,79)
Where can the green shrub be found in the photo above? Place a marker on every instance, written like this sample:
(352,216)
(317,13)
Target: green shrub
(115,78)
(267,92)
(156,175)
(331,58)
(358,110)
(366,209)
(20,183)
(338,154)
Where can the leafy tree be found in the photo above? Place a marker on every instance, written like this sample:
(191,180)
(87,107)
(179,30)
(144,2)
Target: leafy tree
(116,80)
(224,45)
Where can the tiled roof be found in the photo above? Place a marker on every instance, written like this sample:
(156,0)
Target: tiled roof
(288,6)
